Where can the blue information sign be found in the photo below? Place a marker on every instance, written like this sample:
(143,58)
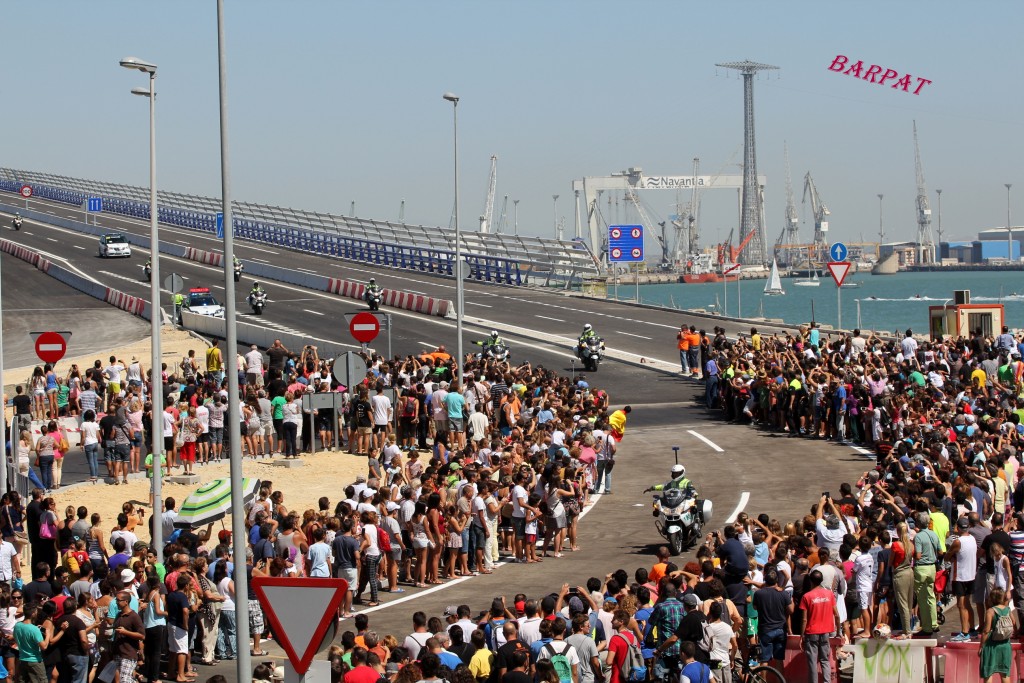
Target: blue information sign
(95,204)
(625,243)
(838,251)
(220,225)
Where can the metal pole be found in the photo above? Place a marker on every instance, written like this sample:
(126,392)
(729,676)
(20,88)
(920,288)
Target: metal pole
(243,666)
(387,317)
(458,237)
(554,212)
(1009,228)
(839,307)
(638,283)
(858,314)
(3,428)
(155,315)
(515,219)
(739,293)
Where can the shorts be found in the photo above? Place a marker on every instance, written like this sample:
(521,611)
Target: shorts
(479,535)
(773,644)
(255,617)
(456,425)
(168,444)
(531,538)
(865,598)
(114,388)
(350,575)
(377,429)
(51,391)
(126,668)
(983,584)
(216,435)
(519,526)
(136,439)
(177,639)
(204,437)
(964,589)
(364,430)
(122,452)
(254,378)
(420,543)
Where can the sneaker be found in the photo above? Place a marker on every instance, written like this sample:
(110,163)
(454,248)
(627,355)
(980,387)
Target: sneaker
(973,633)
(960,638)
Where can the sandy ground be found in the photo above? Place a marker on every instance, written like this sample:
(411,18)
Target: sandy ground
(323,474)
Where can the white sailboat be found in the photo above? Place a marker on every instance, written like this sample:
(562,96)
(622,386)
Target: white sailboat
(774,285)
(810,282)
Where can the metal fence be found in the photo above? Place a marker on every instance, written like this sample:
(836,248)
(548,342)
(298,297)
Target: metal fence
(501,259)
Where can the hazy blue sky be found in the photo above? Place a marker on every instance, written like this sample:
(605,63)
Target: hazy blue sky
(332,102)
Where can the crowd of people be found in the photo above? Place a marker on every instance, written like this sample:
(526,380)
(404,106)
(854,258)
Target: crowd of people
(937,519)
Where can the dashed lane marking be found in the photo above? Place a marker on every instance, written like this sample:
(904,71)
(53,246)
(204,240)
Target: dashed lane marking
(630,334)
(715,447)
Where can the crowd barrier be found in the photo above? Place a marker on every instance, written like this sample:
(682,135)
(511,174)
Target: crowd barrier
(482,268)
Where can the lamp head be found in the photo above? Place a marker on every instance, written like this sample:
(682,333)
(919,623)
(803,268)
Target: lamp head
(143,92)
(136,63)
(451,97)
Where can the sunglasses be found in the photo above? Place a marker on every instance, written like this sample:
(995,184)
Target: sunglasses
(16,597)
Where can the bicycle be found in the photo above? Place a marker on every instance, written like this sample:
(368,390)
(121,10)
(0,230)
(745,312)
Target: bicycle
(760,673)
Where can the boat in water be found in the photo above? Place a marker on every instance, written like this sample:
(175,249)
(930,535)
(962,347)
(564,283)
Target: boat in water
(702,268)
(810,282)
(774,285)
(851,285)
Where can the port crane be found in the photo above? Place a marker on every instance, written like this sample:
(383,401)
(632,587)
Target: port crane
(503,216)
(820,213)
(925,245)
(487,218)
(791,227)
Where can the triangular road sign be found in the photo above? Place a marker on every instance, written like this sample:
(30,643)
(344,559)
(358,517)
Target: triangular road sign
(839,269)
(300,611)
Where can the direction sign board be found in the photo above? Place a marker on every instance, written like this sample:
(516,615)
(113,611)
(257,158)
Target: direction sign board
(364,327)
(51,346)
(838,251)
(95,204)
(839,271)
(301,610)
(174,283)
(26,191)
(625,243)
(220,225)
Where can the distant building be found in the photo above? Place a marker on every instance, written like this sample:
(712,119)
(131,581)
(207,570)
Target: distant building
(979,252)
(996,235)
(906,251)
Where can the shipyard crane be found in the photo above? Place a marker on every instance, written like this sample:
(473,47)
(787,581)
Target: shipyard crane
(925,245)
(487,218)
(503,216)
(791,228)
(820,213)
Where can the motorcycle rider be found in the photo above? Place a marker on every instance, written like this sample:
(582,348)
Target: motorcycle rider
(373,289)
(679,481)
(17,221)
(491,342)
(256,289)
(587,334)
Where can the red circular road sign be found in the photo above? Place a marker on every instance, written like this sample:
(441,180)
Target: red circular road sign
(636,233)
(364,327)
(616,233)
(616,252)
(50,347)
(26,191)
(636,252)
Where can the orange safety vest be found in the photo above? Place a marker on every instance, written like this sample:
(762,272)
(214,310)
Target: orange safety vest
(684,343)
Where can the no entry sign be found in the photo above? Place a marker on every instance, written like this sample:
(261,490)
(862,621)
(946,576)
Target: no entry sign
(51,346)
(364,327)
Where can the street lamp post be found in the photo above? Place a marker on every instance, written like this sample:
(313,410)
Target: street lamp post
(554,212)
(156,393)
(1009,228)
(454,99)
(515,219)
(938,193)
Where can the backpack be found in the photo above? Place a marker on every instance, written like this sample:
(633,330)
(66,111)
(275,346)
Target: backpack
(383,540)
(1003,629)
(633,668)
(560,662)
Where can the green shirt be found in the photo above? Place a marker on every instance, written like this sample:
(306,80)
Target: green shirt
(63,393)
(917,378)
(149,464)
(29,638)
(929,549)
(277,403)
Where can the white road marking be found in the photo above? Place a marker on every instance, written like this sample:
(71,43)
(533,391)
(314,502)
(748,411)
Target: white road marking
(313,312)
(473,303)
(547,318)
(715,447)
(52,239)
(261,260)
(744,498)
(630,334)
(305,270)
(429,346)
(78,247)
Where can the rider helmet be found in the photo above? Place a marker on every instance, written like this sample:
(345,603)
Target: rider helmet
(373,281)
(678,471)
(255,285)
(494,334)
(588,327)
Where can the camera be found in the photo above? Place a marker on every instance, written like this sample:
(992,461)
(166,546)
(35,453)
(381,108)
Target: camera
(826,494)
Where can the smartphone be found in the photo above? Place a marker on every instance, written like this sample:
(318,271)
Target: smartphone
(826,494)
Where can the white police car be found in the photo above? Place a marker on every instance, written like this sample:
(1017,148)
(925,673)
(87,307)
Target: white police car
(114,244)
(200,301)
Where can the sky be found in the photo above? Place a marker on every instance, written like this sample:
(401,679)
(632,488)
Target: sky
(335,102)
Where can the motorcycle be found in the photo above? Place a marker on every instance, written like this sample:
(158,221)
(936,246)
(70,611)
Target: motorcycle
(238,272)
(590,352)
(148,270)
(16,223)
(373,299)
(681,518)
(496,352)
(258,301)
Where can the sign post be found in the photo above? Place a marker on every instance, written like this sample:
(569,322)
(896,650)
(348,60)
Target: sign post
(220,225)
(368,326)
(26,192)
(303,613)
(839,268)
(626,245)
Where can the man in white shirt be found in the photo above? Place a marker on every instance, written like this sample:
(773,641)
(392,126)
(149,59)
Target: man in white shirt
(254,366)
(203,440)
(908,347)
(529,625)
(130,539)
(381,406)
(519,498)
(168,517)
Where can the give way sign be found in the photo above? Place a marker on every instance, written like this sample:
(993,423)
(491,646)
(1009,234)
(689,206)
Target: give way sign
(51,346)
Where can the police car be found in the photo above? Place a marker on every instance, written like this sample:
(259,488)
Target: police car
(201,302)
(114,244)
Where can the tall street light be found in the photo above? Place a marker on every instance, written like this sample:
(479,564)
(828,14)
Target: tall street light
(1009,229)
(515,219)
(881,230)
(155,312)
(454,99)
(554,212)
(243,665)
(938,193)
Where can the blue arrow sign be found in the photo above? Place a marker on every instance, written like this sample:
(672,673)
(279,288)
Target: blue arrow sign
(95,204)
(220,225)
(838,251)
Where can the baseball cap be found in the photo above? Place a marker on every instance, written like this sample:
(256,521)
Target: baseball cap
(520,607)
(962,523)
(691,600)
(392,506)
(139,545)
(451,611)
(127,575)
(576,605)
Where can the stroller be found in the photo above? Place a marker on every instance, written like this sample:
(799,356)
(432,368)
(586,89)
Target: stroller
(943,593)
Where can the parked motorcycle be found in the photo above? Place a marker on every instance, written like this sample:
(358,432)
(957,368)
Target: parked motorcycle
(681,517)
(258,301)
(591,352)
(16,223)
(495,352)
(373,299)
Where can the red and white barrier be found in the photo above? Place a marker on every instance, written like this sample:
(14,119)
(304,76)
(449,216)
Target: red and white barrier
(210,258)
(125,302)
(408,301)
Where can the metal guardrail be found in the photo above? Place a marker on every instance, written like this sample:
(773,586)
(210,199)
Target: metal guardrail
(500,259)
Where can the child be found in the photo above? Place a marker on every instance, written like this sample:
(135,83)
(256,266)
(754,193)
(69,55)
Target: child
(996,653)
(532,515)
(456,522)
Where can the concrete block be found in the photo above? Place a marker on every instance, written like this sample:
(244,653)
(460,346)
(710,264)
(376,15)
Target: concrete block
(289,463)
(186,479)
(136,475)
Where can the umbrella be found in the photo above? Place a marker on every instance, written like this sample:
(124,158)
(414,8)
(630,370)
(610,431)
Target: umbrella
(211,502)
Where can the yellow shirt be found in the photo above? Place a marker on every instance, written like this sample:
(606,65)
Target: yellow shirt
(979,375)
(213,359)
(940,525)
(755,341)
